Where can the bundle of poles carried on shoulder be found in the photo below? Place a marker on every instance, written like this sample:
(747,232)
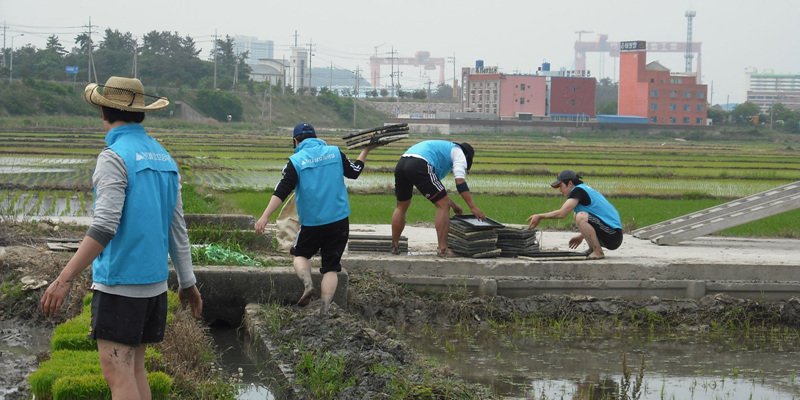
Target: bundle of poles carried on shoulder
(382,135)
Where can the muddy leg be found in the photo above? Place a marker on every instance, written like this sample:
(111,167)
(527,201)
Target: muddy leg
(442,223)
(302,267)
(587,230)
(329,282)
(399,222)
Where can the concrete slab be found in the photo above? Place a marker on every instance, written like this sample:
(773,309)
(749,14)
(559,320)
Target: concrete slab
(741,267)
(705,249)
(754,268)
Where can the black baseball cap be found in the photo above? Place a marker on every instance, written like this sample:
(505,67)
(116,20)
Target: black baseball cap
(469,152)
(565,175)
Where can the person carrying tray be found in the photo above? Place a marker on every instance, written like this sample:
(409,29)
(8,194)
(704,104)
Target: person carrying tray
(316,172)
(597,219)
(424,165)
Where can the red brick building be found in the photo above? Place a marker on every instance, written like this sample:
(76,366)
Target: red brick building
(652,91)
(572,96)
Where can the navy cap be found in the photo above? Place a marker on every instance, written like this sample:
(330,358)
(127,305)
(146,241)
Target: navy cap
(303,128)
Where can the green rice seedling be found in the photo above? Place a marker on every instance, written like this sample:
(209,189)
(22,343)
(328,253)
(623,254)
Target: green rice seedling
(323,375)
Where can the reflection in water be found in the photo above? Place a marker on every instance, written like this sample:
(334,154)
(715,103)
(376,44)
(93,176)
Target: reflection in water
(590,368)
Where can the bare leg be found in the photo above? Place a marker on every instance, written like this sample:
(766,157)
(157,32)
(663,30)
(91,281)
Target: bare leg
(141,374)
(586,229)
(442,223)
(302,267)
(399,221)
(329,282)
(123,370)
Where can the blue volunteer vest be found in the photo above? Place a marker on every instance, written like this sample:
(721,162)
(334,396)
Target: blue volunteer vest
(138,252)
(321,194)
(437,153)
(600,207)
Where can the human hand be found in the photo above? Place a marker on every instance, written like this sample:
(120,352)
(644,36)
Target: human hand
(534,221)
(575,242)
(261,224)
(54,296)
(191,296)
(478,213)
(457,209)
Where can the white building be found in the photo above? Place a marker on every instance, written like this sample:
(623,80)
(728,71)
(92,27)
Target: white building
(259,49)
(767,88)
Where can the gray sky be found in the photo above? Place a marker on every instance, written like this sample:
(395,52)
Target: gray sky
(516,36)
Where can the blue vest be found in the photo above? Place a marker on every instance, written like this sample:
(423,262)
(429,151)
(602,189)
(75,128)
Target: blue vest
(437,153)
(138,252)
(321,194)
(600,207)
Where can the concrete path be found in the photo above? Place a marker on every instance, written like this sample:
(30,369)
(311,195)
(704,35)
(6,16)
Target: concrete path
(706,249)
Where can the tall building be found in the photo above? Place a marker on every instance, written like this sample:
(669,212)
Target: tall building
(299,68)
(652,91)
(767,88)
(259,49)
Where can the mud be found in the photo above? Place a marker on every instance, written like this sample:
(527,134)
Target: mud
(367,331)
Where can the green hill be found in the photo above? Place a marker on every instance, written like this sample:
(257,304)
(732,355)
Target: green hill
(52,104)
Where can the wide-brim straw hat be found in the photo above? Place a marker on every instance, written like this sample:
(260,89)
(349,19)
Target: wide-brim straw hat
(126,94)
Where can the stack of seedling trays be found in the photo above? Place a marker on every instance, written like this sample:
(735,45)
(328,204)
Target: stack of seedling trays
(381,136)
(471,237)
(514,242)
(375,243)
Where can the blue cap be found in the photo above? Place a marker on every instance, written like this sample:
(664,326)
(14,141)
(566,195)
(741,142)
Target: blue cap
(303,128)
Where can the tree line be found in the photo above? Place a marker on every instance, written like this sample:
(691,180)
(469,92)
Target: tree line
(163,59)
(166,59)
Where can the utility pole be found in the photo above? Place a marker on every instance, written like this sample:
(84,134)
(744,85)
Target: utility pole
(11,63)
(355,97)
(91,58)
(133,68)
(429,97)
(236,73)
(3,62)
(215,59)
(263,104)
(310,48)
(392,53)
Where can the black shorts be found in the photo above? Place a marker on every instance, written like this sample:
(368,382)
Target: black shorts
(131,321)
(609,237)
(329,239)
(413,171)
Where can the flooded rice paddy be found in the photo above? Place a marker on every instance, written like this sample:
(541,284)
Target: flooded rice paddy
(582,368)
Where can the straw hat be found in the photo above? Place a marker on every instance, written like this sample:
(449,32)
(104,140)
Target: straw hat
(126,94)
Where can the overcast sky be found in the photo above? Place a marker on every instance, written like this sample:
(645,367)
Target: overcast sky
(516,36)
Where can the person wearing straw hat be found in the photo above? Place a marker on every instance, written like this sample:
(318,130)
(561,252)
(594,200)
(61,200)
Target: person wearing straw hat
(597,219)
(316,172)
(424,165)
(138,223)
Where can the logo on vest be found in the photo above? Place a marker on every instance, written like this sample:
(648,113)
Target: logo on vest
(152,157)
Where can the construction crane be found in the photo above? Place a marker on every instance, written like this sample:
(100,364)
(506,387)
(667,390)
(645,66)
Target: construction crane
(581,33)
